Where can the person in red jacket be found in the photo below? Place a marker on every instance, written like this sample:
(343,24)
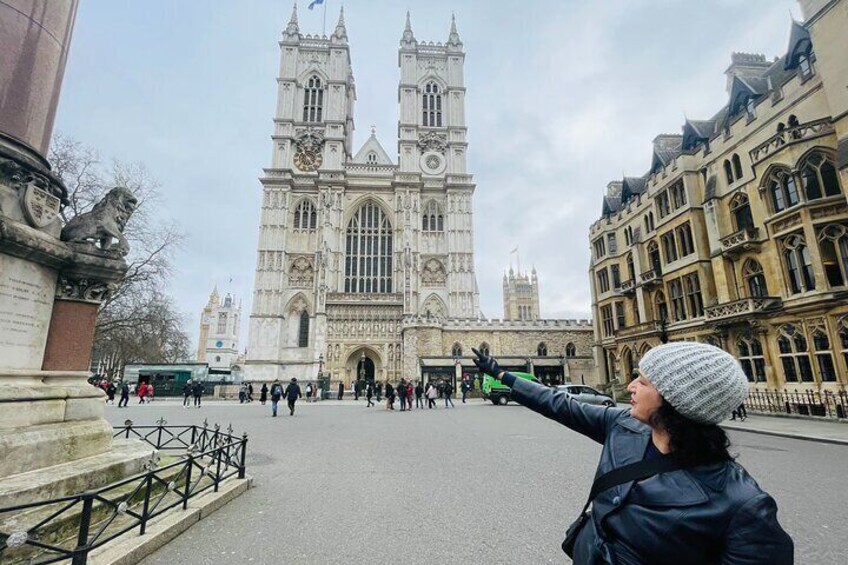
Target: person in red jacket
(409,392)
(142,392)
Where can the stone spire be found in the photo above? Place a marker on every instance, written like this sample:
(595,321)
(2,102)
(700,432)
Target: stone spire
(214,298)
(453,38)
(340,35)
(408,39)
(292,30)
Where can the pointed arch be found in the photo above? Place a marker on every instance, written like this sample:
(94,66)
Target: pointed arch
(431,103)
(484,348)
(542,349)
(740,209)
(570,350)
(297,304)
(781,188)
(817,170)
(434,307)
(313,98)
(305,214)
(755,280)
(433,217)
(369,249)
(456,349)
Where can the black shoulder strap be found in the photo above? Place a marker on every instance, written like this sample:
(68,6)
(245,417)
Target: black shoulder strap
(633,472)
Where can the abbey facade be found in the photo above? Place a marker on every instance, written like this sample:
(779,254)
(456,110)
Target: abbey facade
(362,257)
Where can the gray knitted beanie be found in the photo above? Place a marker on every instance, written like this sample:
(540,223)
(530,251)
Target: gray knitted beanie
(700,381)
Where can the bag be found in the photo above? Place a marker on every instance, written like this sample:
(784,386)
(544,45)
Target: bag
(633,472)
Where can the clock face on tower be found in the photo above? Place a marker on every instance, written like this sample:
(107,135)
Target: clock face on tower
(307,160)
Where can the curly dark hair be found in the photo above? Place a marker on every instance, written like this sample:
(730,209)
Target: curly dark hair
(691,442)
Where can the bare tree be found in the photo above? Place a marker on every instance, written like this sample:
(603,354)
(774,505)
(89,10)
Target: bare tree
(139,322)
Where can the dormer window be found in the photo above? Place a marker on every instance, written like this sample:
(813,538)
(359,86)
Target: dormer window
(805,66)
(750,109)
(371,158)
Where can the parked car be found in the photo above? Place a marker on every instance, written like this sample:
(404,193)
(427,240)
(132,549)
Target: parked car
(498,393)
(587,394)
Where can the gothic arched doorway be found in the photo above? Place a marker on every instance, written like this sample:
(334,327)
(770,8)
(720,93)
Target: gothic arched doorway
(365,369)
(363,364)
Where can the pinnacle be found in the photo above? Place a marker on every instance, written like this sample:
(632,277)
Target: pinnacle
(453,38)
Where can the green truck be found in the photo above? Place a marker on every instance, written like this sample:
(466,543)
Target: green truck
(498,393)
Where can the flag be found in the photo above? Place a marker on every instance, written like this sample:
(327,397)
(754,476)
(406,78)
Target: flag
(515,250)
(314,3)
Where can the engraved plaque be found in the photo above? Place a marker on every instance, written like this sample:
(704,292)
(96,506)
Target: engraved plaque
(26,305)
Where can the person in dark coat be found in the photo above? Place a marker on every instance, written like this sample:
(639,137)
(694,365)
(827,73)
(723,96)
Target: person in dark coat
(401,392)
(369,392)
(292,394)
(110,392)
(276,395)
(341,390)
(263,394)
(419,392)
(356,389)
(187,392)
(197,390)
(125,395)
(710,510)
(250,392)
(464,387)
(447,390)
(390,396)
(379,391)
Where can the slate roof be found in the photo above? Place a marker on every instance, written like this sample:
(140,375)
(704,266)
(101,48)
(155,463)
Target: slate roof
(799,36)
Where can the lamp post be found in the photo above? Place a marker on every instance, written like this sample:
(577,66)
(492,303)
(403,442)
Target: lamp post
(323,383)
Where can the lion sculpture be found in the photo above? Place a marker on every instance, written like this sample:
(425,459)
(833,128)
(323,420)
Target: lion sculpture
(104,222)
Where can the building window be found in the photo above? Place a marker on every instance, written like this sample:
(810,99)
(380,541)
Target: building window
(693,295)
(371,159)
(603,280)
(805,66)
(303,330)
(654,257)
(431,106)
(222,323)
(755,279)
(843,339)
(750,108)
(456,350)
(799,268)
(313,100)
(678,194)
(684,236)
(728,171)
(660,307)
(824,357)
(619,315)
(616,276)
(740,209)
(433,219)
(782,189)
(631,269)
(571,351)
(649,222)
(794,356)
(669,247)
(833,243)
(818,177)
(678,304)
(542,350)
(663,208)
(484,348)
(600,248)
(737,166)
(368,261)
(612,243)
(305,216)
(606,318)
(750,353)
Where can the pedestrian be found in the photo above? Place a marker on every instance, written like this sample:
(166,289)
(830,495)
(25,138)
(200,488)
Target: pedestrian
(341,390)
(276,395)
(447,390)
(677,495)
(242,393)
(379,390)
(263,394)
(197,390)
(739,411)
(142,392)
(390,396)
(148,395)
(356,389)
(464,388)
(291,394)
(308,392)
(401,393)
(125,395)
(432,394)
(369,392)
(250,392)
(187,392)
(419,392)
(409,393)
(110,392)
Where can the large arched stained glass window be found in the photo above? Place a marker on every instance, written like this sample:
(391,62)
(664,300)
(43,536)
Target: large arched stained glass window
(431,102)
(368,261)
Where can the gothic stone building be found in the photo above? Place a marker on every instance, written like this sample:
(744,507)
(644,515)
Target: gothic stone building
(365,265)
(738,233)
(218,344)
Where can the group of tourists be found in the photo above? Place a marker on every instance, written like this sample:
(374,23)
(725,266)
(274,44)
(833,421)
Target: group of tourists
(404,392)
(111,388)
(193,390)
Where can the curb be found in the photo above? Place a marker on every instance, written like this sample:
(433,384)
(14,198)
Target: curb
(131,548)
(819,439)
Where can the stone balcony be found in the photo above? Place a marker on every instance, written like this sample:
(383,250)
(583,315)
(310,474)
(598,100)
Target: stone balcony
(790,136)
(645,328)
(740,241)
(732,311)
(651,277)
(627,287)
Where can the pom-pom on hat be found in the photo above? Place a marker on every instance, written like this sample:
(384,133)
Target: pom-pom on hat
(700,381)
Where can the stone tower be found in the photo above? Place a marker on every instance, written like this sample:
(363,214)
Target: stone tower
(521,296)
(351,244)
(219,332)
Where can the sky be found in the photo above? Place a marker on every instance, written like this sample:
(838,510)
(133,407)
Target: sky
(563,96)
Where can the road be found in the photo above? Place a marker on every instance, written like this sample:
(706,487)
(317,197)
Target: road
(341,483)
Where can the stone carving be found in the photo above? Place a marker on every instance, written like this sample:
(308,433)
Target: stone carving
(41,196)
(433,273)
(40,207)
(83,289)
(301,273)
(743,307)
(826,211)
(433,309)
(105,222)
(432,141)
(309,139)
(786,223)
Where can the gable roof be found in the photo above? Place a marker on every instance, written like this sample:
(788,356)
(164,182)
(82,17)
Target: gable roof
(372,145)
(799,42)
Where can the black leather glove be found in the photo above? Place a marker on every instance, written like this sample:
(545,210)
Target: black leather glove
(486,364)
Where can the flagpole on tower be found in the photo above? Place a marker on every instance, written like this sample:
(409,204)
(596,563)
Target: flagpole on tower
(324,25)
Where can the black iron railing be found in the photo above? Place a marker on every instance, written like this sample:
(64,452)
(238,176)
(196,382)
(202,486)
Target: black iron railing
(825,404)
(70,527)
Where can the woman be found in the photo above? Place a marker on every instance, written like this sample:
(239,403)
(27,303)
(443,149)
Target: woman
(263,394)
(708,510)
(432,393)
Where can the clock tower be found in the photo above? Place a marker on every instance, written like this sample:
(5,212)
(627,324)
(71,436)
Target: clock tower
(219,332)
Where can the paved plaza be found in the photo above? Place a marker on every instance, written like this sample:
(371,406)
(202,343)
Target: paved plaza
(340,483)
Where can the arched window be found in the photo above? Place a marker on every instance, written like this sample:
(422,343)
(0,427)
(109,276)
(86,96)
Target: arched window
(799,268)
(660,306)
(750,353)
(728,171)
(824,357)
(782,189)
(654,257)
(818,176)
(303,330)
(305,216)
(737,166)
(740,208)
(542,350)
(484,348)
(456,350)
(627,364)
(833,243)
(432,219)
(368,261)
(371,158)
(755,280)
(431,103)
(631,270)
(794,356)
(570,350)
(843,340)
(313,100)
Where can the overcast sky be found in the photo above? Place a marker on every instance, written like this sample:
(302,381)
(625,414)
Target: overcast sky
(563,96)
